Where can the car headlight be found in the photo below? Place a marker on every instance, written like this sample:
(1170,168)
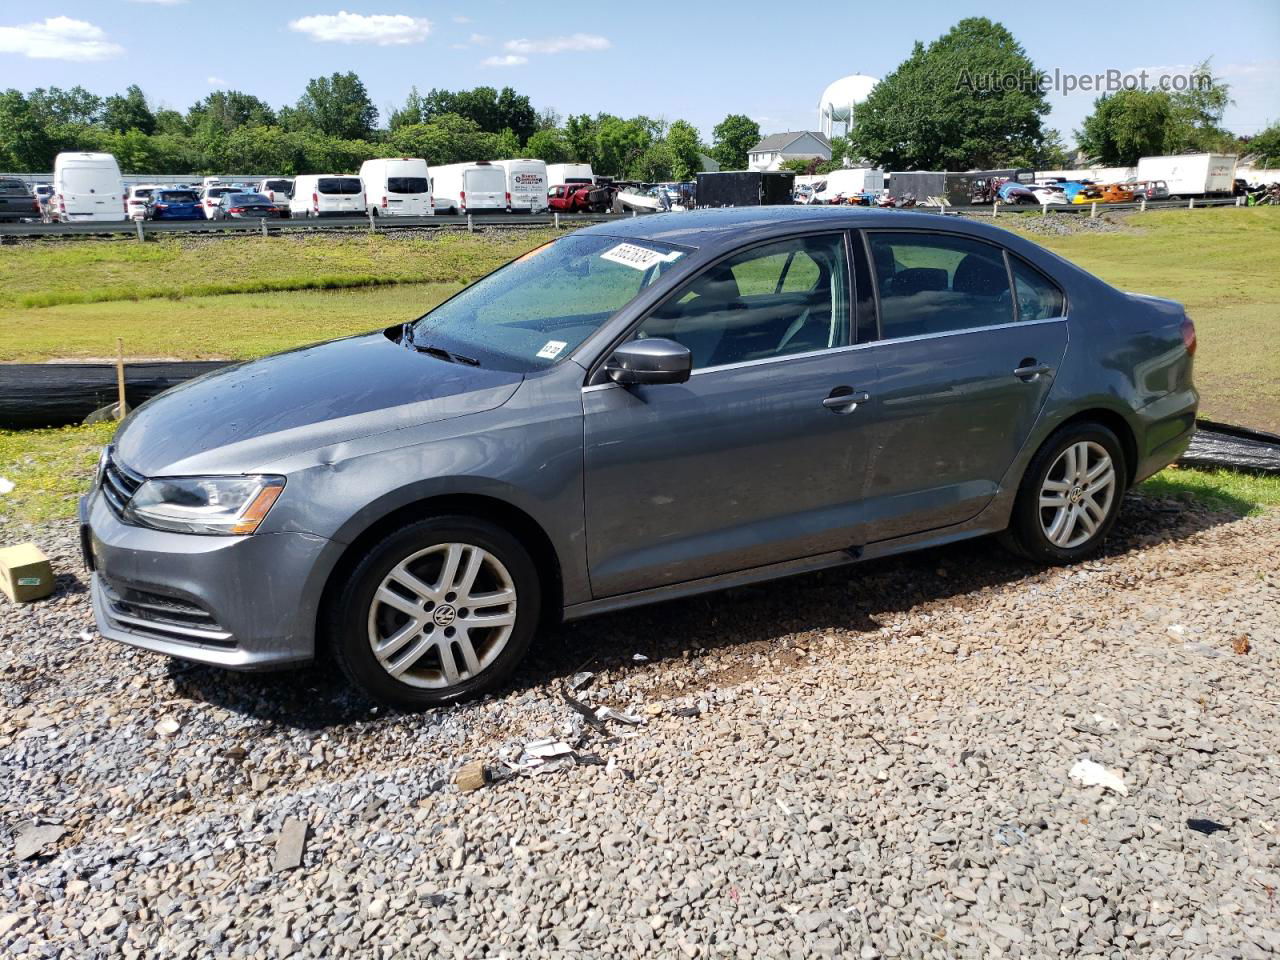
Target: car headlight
(209,505)
(101,469)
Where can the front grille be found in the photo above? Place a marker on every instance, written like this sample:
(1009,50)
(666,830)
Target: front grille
(119,483)
(166,617)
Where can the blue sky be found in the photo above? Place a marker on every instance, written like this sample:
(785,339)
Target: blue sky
(697,62)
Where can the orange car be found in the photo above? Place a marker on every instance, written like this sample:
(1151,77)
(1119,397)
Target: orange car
(1104,193)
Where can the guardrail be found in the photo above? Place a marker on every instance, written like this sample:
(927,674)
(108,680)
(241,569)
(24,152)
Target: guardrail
(143,229)
(1094,208)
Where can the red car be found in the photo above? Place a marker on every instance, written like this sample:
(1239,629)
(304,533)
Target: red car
(579,198)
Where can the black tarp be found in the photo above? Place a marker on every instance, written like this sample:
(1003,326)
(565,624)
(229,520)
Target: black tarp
(1236,448)
(56,394)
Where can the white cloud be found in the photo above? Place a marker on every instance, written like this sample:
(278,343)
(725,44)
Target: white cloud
(59,38)
(479,39)
(510,60)
(576,41)
(385,30)
(461,19)
(216,81)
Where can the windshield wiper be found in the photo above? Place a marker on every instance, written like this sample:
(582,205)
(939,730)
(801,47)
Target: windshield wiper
(406,338)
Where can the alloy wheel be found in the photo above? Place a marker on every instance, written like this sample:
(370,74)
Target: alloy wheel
(1077,494)
(442,615)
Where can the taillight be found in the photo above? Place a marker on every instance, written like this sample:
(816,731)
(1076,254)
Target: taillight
(62,204)
(236,210)
(462,197)
(162,206)
(315,202)
(1189,335)
(384,202)
(508,196)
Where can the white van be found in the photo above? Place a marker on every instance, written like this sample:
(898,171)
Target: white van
(470,187)
(87,187)
(848,182)
(327,195)
(558,173)
(397,187)
(526,184)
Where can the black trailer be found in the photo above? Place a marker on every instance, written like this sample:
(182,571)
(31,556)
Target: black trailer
(919,184)
(745,188)
(976,186)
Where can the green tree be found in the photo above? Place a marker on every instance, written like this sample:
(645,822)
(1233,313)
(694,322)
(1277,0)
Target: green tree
(121,114)
(76,106)
(684,145)
(733,138)
(492,110)
(1264,147)
(336,106)
(970,99)
(24,144)
(133,150)
(448,138)
(171,122)
(224,111)
(620,144)
(1125,126)
(580,137)
(549,145)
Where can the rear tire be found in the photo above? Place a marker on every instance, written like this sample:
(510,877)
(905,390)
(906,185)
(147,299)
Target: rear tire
(1069,497)
(439,611)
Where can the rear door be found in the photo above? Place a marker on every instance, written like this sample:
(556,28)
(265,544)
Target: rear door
(759,457)
(963,371)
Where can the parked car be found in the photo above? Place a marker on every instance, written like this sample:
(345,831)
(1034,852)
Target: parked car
(17,202)
(1048,195)
(1104,193)
(245,206)
(139,197)
(397,187)
(278,190)
(327,195)
(175,204)
(43,193)
(470,188)
(580,198)
(211,196)
(87,189)
(645,409)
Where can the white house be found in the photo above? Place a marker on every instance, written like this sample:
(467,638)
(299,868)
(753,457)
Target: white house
(770,152)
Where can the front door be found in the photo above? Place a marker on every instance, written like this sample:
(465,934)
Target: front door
(963,370)
(759,457)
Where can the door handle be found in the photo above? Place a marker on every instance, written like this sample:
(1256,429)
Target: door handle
(845,399)
(1030,370)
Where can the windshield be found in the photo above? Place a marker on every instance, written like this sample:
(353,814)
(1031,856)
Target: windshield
(406,184)
(179,196)
(538,309)
(338,185)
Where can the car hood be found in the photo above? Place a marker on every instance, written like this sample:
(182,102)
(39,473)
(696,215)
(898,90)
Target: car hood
(244,417)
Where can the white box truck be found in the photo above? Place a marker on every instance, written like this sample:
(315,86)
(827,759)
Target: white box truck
(558,173)
(397,187)
(470,187)
(1191,174)
(527,184)
(850,181)
(87,188)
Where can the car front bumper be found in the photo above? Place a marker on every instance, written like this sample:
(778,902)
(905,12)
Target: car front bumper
(237,602)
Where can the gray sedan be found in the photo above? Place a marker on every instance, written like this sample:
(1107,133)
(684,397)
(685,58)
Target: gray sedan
(642,410)
(245,206)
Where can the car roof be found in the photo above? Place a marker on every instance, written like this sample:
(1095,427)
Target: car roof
(730,227)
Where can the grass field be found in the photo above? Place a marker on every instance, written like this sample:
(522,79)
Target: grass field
(240,297)
(50,469)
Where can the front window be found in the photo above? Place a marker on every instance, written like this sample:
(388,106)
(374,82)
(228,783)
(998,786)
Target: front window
(539,308)
(341,186)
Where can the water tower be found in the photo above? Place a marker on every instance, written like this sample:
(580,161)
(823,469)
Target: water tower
(839,99)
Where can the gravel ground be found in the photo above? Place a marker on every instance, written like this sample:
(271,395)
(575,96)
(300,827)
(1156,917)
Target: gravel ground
(861,763)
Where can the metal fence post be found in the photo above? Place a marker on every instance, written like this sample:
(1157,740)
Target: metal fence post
(995,208)
(1093,210)
(1191,204)
(142,238)
(557,219)
(633,211)
(263,222)
(373,226)
(1142,208)
(1044,209)
(470,226)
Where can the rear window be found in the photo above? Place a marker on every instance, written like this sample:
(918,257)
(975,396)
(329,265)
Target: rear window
(342,186)
(178,196)
(285,185)
(406,184)
(143,192)
(12,186)
(247,198)
(219,191)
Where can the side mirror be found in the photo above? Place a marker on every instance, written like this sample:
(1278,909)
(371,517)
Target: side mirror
(656,360)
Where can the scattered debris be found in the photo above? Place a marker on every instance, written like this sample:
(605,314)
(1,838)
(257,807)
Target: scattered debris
(686,712)
(290,843)
(166,727)
(538,751)
(639,658)
(581,680)
(609,713)
(86,636)
(1095,775)
(34,840)
(6,485)
(1009,834)
(1240,644)
(1207,827)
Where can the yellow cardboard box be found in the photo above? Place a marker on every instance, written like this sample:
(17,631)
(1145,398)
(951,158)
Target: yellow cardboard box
(25,573)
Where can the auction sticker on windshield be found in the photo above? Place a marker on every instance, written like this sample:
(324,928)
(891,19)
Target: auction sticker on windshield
(640,258)
(551,349)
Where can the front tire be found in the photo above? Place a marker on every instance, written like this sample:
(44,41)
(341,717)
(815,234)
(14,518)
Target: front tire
(1070,496)
(439,611)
